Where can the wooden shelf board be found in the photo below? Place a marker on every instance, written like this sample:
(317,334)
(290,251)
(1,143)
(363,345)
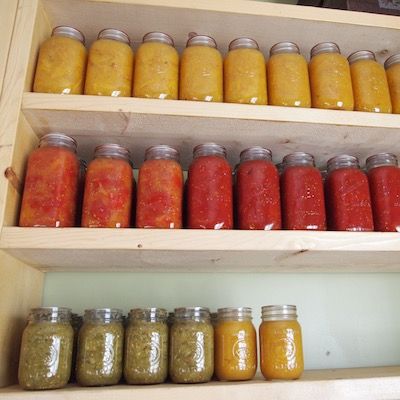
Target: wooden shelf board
(357,383)
(148,250)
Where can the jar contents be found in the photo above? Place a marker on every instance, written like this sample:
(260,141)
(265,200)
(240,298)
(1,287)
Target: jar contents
(61,63)
(209,189)
(257,190)
(51,184)
(146,346)
(370,86)
(384,184)
(110,65)
(330,78)
(156,73)
(392,66)
(46,349)
(100,348)
(160,189)
(347,196)
(288,81)
(281,348)
(109,188)
(201,70)
(302,192)
(235,345)
(191,346)
(245,73)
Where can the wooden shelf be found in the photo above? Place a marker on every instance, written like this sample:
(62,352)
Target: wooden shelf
(148,250)
(360,383)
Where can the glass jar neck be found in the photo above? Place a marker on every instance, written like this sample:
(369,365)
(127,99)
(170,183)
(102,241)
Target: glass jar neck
(325,47)
(234,314)
(69,32)
(380,160)
(199,314)
(209,149)
(392,60)
(201,40)
(342,161)
(279,313)
(58,140)
(158,37)
(298,159)
(114,34)
(283,48)
(162,152)
(148,315)
(256,153)
(103,315)
(361,55)
(243,43)
(112,150)
(50,314)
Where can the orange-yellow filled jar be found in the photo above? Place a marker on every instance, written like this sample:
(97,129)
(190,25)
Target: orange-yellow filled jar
(330,78)
(235,345)
(245,79)
(156,73)
(288,80)
(62,62)
(201,70)
(392,66)
(281,348)
(110,65)
(370,86)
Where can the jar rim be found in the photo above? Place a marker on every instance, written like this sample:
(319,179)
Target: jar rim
(381,159)
(112,150)
(342,161)
(171,152)
(150,36)
(361,55)
(214,148)
(284,47)
(69,31)
(114,34)
(255,151)
(278,312)
(324,47)
(243,42)
(61,138)
(392,60)
(201,40)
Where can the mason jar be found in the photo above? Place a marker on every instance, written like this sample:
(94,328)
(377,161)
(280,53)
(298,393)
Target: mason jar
(392,67)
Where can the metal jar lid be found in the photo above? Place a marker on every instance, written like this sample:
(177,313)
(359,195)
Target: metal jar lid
(361,55)
(256,153)
(50,314)
(234,313)
(298,158)
(161,152)
(58,139)
(342,161)
(114,34)
(278,312)
(159,37)
(112,150)
(70,32)
(325,47)
(149,313)
(192,313)
(201,40)
(207,149)
(243,43)
(284,47)
(392,60)
(381,159)
(103,314)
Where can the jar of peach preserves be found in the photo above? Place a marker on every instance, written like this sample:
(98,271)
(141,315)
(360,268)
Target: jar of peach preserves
(281,348)
(392,66)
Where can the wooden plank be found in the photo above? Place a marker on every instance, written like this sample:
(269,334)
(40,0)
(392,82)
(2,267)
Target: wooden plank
(347,384)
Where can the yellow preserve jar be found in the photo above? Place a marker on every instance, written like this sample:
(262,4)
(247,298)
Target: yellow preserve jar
(201,70)
(156,73)
(392,66)
(245,79)
(288,80)
(330,78)
(370,86)
(110,65)
(235,345)
(62,62)
(281,349)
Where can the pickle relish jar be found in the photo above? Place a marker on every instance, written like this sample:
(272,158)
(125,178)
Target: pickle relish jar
(392,67)
(245,73)
(46,349)
(156,72)
(100,348)
(288,81)
(110,65)
(61,63)
(51,184)
(146,346)
(191,357)
(235,341)
(281,347)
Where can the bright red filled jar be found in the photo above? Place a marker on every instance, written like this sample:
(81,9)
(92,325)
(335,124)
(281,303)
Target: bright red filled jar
(257,190)
(109,188)
(209,189)
(302,193)
(384,184)
(160,189)
(348,198)
(51,184)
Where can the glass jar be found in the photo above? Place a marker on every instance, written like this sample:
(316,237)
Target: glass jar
(191,358)
(146,346)
(288,81)
(160,189)
(245,77)
(348,200)
(392,66)
(330,78)
(61,63)
(110,65)
(235,345)
(209,189)
(109,188)
(302,191)
(51,184)
(257,190)
(201,70)
(281,347)
(370,86)
(100,348)
(156,73)
(46,349)
(384,184)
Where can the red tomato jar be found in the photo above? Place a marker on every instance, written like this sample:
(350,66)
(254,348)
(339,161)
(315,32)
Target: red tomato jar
(257,190)
(384,184)
(51,184)
(109,188)
(347,196)
(160,189)
(209,189)
(302,191)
